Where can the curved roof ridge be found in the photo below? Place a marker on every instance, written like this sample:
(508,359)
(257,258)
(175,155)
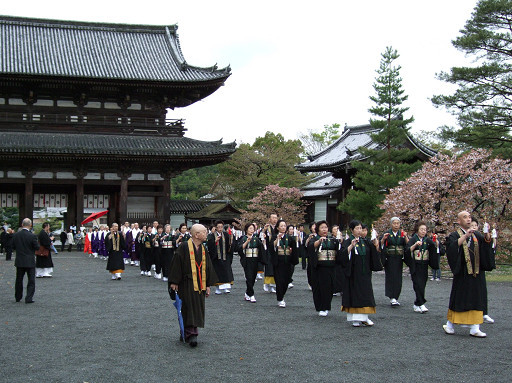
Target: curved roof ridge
(346,132)
(71,49)
(77,24)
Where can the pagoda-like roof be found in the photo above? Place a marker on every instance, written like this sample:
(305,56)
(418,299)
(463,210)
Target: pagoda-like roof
(58,145)
(343,151)
(102,51)
(324,185)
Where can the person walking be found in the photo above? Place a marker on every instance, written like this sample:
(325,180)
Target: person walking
(44,263)
(191,275)
(70,240)
(63,238)
(8,244)
(25,243)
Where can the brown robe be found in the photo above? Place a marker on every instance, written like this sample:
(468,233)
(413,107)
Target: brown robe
(193,308)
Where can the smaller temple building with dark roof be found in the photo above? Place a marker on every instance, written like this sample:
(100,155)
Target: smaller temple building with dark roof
(330,187)
(83,117)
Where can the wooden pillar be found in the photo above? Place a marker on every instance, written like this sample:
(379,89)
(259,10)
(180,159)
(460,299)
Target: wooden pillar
(123,199)
(165,204)
(28,197)
(79,202)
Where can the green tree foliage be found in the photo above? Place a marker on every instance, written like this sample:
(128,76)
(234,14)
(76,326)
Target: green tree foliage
(483,99)
(194,183)
(269,160)
(10,215)
(390,162)
(314,142)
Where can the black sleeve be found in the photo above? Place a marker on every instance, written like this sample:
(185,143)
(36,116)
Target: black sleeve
(346,263)
(433,256)
(375,260)
(487,258)
(452,253)
(408,255)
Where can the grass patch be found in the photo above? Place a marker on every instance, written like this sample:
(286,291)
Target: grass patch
(503,273)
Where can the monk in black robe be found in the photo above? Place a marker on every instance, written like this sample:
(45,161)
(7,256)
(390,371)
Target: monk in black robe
(114,244)
(252,253)
(283,253)
(191,275)
(323,251)
(393,245)
(468,252)
(359,257)
(44,263)
(420,253)
(220,248)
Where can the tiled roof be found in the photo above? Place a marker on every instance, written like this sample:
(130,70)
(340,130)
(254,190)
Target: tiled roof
(345,150)
(216,210)
(186,206)
(96,50)
(322,186)
(109,144)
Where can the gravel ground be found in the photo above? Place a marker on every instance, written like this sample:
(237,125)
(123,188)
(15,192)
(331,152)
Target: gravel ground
(84,327)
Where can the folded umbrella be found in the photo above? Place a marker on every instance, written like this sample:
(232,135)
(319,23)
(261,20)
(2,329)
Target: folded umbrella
(178,303)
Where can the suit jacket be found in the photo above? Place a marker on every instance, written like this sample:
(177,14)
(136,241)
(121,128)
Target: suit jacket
(25,244)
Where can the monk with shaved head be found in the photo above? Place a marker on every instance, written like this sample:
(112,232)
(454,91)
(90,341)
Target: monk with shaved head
(191,275)
(469,252)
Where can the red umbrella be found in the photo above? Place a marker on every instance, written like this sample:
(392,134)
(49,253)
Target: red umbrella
(94,216)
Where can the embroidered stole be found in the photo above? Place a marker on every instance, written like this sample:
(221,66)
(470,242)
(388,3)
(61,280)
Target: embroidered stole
(221,254)
(423,246)
(467,257)
(115,242)
(201,267)
(360,249)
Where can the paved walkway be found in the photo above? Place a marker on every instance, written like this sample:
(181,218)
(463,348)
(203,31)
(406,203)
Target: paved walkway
(85,327)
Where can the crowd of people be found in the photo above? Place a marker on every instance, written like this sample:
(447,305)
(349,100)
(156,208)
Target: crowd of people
(335,264)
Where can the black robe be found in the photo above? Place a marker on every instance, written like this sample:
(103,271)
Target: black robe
(419,268)
(281,263)
(250,264)
(115,257)
(44,240)
(393,265)
(357,287)
(221,262)
(270,233)
(193,308)
(323,273)
(467,290)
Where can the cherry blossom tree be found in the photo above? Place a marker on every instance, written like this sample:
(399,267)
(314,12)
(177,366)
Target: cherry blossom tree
(473,181)
(287,203)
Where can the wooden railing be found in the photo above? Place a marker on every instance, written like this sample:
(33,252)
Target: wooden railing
(91,123)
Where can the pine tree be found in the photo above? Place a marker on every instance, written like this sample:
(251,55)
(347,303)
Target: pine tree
(483,99)
(390,162)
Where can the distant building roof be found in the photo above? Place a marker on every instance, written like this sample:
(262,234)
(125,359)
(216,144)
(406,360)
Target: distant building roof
(183,206)
(345,150)
(324,185)
(214,211)
(38,47)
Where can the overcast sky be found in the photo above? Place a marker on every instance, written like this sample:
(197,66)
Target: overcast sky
(296,65)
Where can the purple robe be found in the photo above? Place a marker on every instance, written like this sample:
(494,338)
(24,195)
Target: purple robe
(95,242)
(128,245)
(102,248)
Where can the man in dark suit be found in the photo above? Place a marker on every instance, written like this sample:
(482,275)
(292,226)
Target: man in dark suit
(25,243)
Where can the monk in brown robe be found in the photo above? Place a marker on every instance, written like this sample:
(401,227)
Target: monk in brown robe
(191,275)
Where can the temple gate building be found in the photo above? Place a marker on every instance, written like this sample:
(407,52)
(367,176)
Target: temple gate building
(83,117)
